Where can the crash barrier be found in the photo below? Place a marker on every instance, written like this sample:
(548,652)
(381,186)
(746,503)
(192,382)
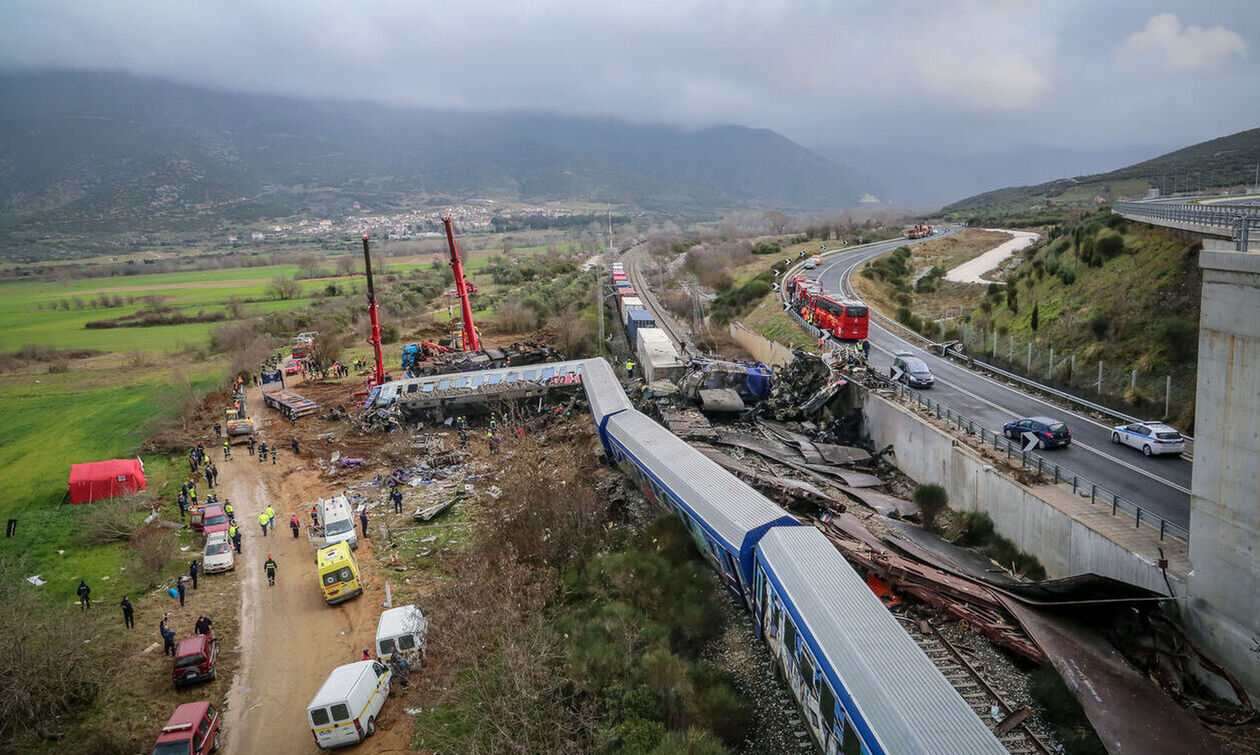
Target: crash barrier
(1241,222)
(1028,460)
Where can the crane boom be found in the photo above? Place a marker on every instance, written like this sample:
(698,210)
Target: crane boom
(469,333)
(378,370)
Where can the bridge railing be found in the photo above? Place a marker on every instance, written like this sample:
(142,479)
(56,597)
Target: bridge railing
(1241,221)
(1081,486)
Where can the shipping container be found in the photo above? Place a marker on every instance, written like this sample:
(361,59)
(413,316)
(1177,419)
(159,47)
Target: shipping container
(639,318)
(658,357)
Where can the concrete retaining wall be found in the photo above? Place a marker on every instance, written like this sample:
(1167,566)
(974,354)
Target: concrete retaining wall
(762,349)
(1063,544)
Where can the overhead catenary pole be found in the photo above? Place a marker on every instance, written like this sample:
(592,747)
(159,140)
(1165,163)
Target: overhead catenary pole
(378,369)
(468,336)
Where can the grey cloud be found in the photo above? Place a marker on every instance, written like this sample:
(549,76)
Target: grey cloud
(939,75)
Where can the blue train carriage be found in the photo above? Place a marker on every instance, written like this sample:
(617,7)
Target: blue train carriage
(603,392)
(864,684)
(724,515)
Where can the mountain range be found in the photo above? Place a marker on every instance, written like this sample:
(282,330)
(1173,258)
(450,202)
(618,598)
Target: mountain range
(1228,163)
(104,152)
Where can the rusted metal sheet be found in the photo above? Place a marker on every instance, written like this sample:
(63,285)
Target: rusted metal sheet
(1129,713)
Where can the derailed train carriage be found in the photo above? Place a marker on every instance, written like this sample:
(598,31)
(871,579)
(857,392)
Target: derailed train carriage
(863,683)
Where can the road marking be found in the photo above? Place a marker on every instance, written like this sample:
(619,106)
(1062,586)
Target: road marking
(1086,446)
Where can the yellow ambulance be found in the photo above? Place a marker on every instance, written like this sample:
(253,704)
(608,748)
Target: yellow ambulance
(338,573)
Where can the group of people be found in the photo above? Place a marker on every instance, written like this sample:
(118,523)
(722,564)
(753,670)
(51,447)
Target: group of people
(203,625)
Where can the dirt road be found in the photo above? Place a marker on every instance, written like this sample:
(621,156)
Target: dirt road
(290,638)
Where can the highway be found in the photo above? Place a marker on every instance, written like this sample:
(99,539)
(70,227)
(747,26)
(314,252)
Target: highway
(1160,485)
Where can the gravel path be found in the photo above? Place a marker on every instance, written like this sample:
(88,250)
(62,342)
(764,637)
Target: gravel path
(970,271)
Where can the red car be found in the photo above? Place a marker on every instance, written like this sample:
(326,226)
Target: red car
(192,730)
(292,367)
(214,519)
(195,659)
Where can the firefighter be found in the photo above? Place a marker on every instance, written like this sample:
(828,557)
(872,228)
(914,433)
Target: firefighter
(262,451)
(227,451)
(294,525)
(218,430)
(293,444)
(493,441)
(230,510)
(270,567)
(251,445)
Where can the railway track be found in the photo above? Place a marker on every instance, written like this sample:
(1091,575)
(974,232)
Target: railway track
(634,271)
(1012,728)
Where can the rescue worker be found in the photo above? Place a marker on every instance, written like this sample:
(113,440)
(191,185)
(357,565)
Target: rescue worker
(293,443)
(629,368)
(129,615)
(194,568)
(363,518)
(395,495)
(168,639)
(315,516)
(270,567)
(192,495)
(251,444)
(493,440)
(218,430)
(271,516)
(227,451)
(234,533)
(182,500)
(181,589)
(463,438)
(230,510)
(85,595)
(262,452)
(293,525)
(262,520)
(274,455)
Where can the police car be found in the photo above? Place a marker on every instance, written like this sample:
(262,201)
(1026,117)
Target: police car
(1151,438)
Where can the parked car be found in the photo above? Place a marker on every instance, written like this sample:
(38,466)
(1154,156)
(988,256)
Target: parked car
(219,555)
(1151,438)
(214,519)
(195,659)
(914,371)
(292,367)
(193,729)
(1049,432)
(344,710)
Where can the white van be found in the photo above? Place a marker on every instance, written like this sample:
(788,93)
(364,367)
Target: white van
(402,628)
(344,710)
(337,520)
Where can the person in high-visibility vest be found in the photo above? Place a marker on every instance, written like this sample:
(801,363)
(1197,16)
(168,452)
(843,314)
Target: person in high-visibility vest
(263,520)
(629,368)
(227,451)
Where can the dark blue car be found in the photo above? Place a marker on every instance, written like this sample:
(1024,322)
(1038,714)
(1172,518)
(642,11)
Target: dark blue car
(1049,432)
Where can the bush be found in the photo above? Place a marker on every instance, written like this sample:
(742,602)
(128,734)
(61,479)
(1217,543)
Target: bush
(1099,325)
(1109,245)
(1067,275)
(1179,335)
(389,333)
(931,500)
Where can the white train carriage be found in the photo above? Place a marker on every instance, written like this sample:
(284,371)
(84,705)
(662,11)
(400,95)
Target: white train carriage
(864,684)
(724,515)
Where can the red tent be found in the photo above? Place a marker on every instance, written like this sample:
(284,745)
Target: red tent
(105,479)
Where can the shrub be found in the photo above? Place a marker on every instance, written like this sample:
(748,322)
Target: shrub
(389,333)
(931,500)
(1067,275)
(1179,335)
(1099,325)
(1108,245)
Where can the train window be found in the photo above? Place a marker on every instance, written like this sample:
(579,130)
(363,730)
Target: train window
(548,372)
(789,634)
(730,565)
(852,744)
(412,388)
(807,667)
(774,618)
(461,382)
(827,705)
(444,385)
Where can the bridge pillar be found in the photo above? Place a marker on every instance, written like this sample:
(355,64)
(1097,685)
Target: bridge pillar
(1224,585)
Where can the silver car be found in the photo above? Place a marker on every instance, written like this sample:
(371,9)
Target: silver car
(218,556)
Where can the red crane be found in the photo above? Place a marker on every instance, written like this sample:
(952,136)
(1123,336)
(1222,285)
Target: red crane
(469,334)
(378,371)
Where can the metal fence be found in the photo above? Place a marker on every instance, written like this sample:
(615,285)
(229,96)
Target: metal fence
(1061,475)
(1126,388)
(1241,221)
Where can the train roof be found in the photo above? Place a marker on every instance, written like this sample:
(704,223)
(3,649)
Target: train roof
(726,505)
(603,390)
(869,658)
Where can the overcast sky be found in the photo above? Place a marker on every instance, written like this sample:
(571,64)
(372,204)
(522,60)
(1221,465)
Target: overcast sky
(954,75)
